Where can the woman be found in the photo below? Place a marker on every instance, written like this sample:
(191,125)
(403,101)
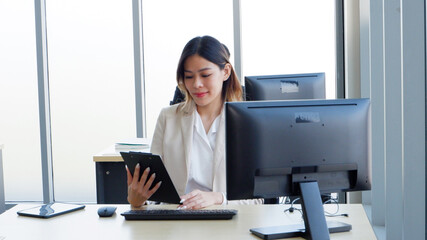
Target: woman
(190,136)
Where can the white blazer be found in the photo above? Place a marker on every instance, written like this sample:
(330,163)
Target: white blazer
(172,140)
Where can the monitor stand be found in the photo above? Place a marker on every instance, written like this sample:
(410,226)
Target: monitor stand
(315,225)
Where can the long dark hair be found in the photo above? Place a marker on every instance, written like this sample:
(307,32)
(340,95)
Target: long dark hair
(214,51)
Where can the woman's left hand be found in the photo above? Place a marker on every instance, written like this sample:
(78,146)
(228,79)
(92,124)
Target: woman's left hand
(198,199)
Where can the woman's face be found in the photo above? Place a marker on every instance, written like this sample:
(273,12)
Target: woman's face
(203,80)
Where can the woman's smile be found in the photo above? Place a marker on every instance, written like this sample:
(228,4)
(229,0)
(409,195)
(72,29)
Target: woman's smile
(200,95)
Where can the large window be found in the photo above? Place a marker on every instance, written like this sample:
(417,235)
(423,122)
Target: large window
(91,79)
(19,121)
(91,73)
(168,26)
(287,36)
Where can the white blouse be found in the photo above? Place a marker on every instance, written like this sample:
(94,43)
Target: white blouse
(201,156)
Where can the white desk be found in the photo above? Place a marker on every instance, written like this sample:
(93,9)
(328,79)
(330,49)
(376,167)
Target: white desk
(2,197)
(85,224)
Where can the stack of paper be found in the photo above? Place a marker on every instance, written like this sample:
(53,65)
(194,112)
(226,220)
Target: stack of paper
(133,143)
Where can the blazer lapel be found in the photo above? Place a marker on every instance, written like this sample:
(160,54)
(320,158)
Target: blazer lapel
(219,152)
(187,124)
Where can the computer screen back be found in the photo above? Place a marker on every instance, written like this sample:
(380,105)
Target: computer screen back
(273,145)
(285,87)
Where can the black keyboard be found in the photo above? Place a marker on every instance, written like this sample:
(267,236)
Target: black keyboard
(172,214)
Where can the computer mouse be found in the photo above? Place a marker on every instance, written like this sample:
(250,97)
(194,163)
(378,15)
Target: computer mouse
(106,211)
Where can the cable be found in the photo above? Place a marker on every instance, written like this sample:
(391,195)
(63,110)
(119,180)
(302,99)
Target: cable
(292,209)
(335,214)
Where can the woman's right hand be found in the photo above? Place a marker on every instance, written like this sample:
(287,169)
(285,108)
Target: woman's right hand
(138,192)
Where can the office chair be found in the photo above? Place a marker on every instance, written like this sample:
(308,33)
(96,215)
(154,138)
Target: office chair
(177,97)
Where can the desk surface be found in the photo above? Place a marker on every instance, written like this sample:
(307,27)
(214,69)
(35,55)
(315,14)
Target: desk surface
(110,154)
(85,224)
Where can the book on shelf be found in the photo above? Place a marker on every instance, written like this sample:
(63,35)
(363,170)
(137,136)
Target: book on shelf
(132,143)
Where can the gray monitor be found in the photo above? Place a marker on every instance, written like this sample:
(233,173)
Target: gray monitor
(285,87)
(298,148)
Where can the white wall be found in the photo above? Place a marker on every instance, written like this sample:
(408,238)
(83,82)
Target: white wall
(2,198)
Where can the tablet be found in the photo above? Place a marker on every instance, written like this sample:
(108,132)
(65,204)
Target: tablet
(167,192)
(50,210)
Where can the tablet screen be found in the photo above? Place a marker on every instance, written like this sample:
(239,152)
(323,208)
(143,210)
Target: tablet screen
(50,210)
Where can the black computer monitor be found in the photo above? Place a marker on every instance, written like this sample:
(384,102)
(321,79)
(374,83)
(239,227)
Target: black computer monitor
(285,87)
(288,148)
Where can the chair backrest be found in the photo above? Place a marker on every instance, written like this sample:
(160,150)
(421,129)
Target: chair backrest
(177,97)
